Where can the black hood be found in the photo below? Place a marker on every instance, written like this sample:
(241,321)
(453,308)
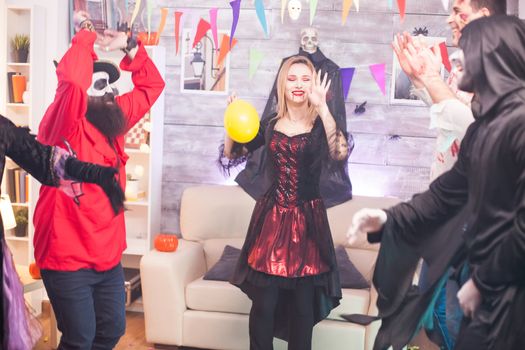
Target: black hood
(494,49)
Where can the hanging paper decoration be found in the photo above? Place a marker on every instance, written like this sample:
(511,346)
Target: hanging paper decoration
(356,4)
(313,10)
(135,13)
(236,7)
(202,29)
(283,8)
(178,15)
(390,5)
(294,9)
(149,7)
(347,74)
(256,57)
(378,72)
(162,24)
(259,8)
(225,47)
(444,56)
(213,22)
(445,4)
(346,9)
(401,5)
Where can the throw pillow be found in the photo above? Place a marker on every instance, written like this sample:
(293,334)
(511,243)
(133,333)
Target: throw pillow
(223,269)
(349,276)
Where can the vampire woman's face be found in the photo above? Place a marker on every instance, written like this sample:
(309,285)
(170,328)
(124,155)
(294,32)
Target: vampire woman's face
(298,83)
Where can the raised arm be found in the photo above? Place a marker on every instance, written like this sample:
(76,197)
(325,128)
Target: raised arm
(74,74)
(337,142)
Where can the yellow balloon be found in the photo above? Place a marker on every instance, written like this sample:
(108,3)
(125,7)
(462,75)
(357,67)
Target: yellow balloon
(241,121)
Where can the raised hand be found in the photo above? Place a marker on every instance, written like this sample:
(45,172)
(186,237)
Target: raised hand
(231,98)
(399,45)
(319,89)
(113,40)
(364,221)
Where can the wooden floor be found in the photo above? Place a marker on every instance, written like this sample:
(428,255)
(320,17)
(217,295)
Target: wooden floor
(135,337)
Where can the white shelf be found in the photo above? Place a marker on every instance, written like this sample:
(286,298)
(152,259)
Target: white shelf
(141,203)
(21,105)
(15,238)
(137,246)
(18,64)
(15,204)
(134,151)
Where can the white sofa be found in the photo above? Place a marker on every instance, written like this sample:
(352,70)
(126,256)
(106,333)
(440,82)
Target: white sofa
(182,309)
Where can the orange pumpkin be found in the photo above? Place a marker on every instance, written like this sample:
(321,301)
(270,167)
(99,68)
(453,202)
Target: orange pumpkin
(34,271)
(166,243)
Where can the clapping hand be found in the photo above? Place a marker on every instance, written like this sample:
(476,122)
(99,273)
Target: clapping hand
(113,40)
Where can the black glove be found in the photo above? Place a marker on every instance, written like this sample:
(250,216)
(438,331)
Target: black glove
(97,174)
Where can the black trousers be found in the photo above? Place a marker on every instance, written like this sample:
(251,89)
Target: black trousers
(472,336)
(264,302)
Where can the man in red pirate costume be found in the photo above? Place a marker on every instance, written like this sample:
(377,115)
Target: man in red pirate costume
(78,246)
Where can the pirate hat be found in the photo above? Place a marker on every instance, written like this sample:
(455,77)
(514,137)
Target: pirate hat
(104,66)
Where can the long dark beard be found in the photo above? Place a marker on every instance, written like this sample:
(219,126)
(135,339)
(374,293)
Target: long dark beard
(106,116)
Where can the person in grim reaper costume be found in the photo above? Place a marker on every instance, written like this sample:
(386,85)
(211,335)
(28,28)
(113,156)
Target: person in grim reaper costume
(472,215)
(335,183)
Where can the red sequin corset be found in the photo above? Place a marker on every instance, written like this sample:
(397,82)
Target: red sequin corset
(283,247)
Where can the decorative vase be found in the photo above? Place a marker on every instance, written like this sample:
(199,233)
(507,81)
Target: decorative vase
(19,86)
(21,55)
(21,230)
(132,190)
(26,97)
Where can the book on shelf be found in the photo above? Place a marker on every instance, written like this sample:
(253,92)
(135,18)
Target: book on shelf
(17,185)
(10,86)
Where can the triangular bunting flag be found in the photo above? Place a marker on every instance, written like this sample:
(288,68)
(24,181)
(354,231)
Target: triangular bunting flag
(261,15)
(356,4)
(390,5)
(149,8)
(213,22)
(445,4)
(313,10)
(401,4)
(346,9)
(378,72)
(135,13)
(256,57)
(178,15)
(225,47)
(162,24)
(444,56)
(347,74)
(202,29)
(283,8)
(236,8)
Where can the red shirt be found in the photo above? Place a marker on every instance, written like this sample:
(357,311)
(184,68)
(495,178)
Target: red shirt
(69,237)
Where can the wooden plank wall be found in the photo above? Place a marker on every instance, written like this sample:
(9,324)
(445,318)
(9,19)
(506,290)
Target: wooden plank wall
(381,164)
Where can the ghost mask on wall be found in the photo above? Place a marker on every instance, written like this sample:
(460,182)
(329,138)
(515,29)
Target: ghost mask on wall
(294,9)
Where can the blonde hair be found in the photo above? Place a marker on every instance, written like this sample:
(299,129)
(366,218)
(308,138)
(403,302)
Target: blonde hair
(282,107)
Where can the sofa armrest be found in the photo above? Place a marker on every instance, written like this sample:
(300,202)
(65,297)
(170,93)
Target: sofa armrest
(164,278)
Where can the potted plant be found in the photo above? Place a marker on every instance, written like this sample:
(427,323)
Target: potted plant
(20,44)
(21,222)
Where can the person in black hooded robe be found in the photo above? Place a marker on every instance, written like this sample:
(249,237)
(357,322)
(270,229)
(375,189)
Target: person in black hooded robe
(472,215)
(336,187)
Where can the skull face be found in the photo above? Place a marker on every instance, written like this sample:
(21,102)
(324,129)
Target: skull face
(294,9)
(309,40)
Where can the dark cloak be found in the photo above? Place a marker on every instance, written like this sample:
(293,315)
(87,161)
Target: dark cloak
(474,213)
(336,187)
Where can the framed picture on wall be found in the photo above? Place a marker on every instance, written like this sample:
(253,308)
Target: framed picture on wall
(110,14)
(401,86)
(201,72)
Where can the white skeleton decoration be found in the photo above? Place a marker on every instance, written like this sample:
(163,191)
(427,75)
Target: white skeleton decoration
(309,39)
(294,9)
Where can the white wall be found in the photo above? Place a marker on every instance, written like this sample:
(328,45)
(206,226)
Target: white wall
(522,9)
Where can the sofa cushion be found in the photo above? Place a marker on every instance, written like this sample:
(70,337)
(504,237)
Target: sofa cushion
(349,276)
(223,269)
(219,296)
(216,296)
(213,248)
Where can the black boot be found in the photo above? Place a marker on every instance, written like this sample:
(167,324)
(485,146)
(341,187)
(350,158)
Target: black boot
(97,174)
